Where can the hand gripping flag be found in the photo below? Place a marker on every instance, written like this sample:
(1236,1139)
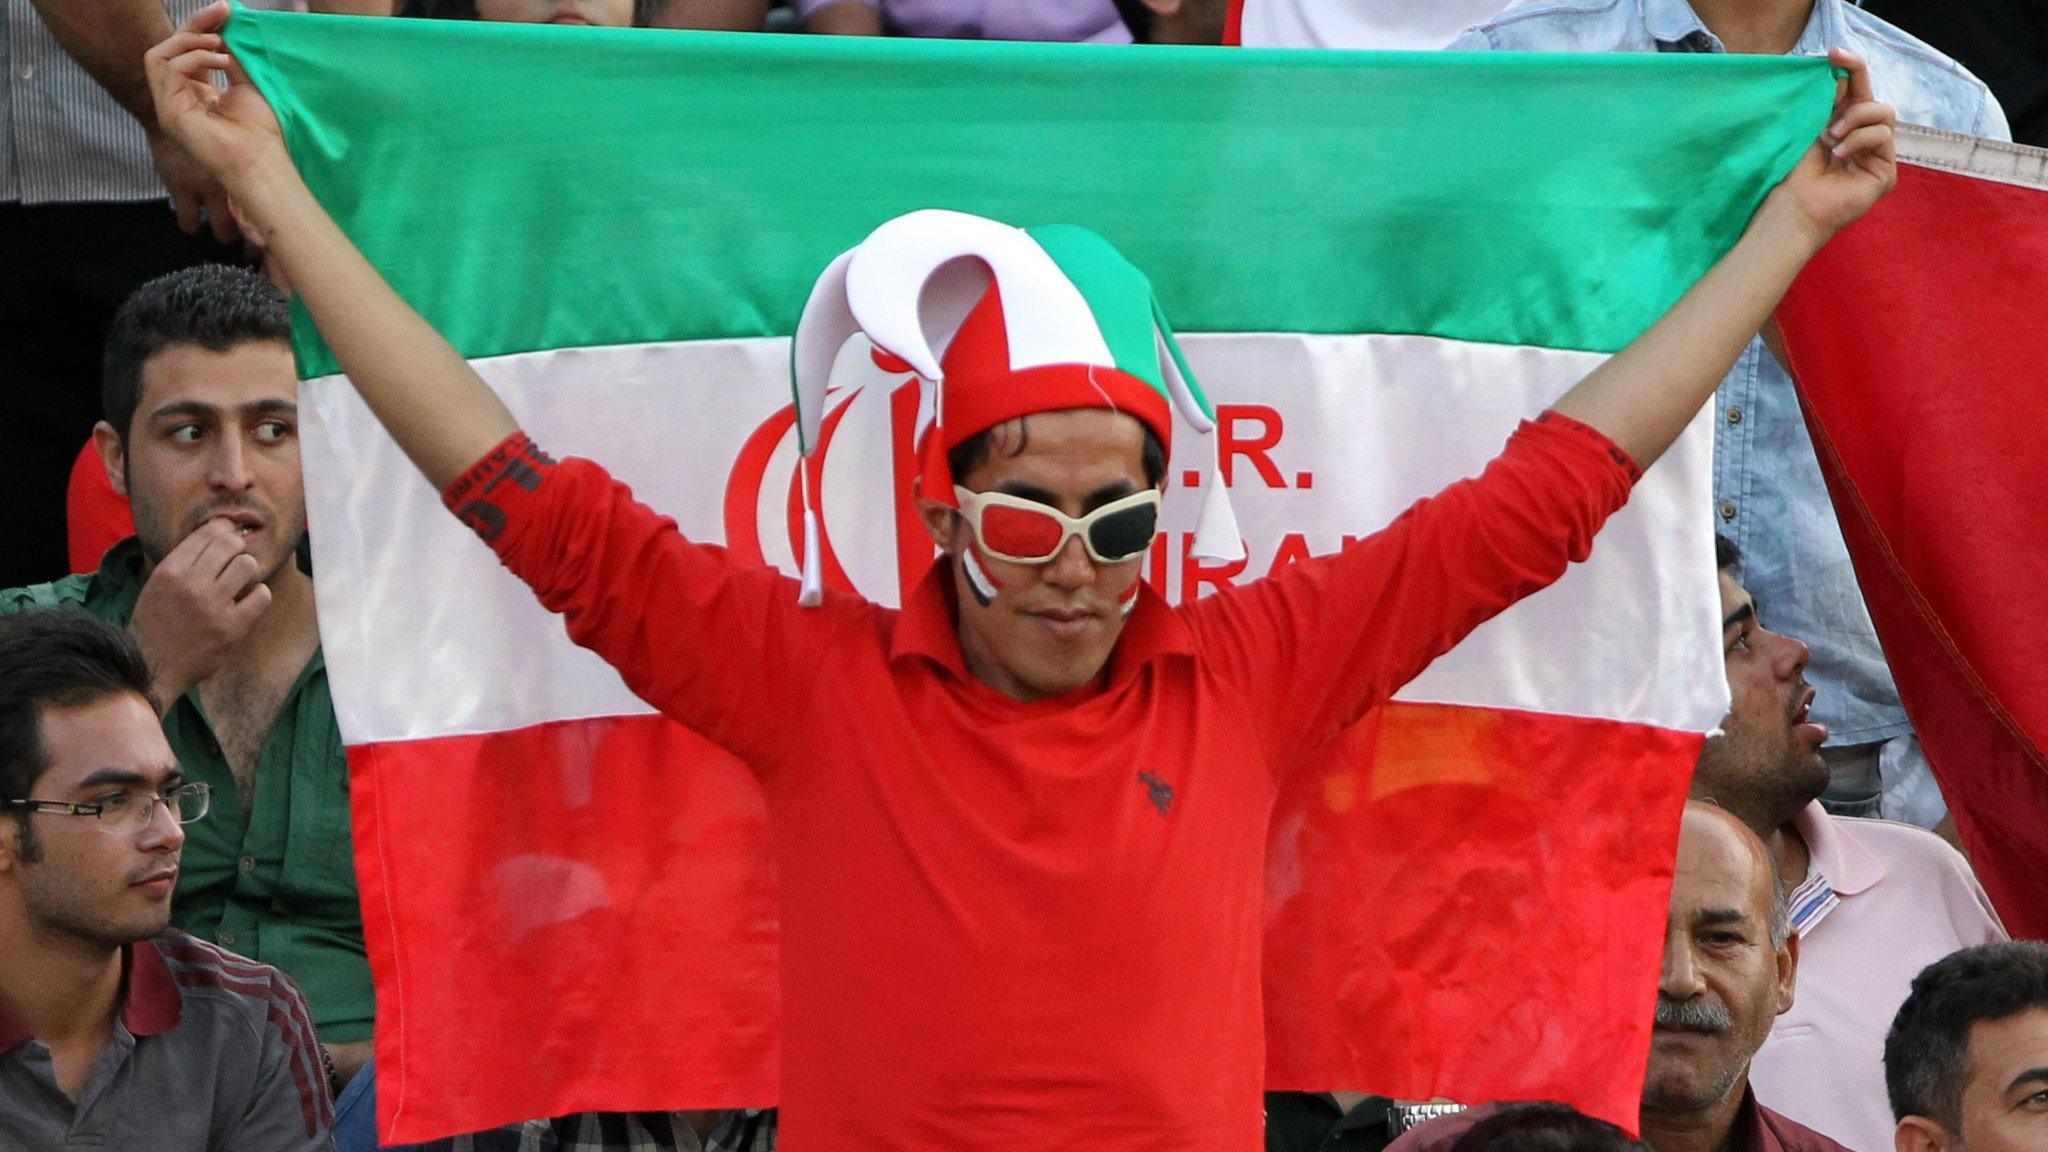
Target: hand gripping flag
(1919,344)
(1376,265)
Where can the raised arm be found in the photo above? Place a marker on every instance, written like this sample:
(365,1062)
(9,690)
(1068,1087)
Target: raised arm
(430,400)
(1646,394)
(1320,642)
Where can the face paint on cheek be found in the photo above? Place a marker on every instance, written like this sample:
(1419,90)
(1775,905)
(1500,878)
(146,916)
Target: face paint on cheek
(1129,599)
(979,581)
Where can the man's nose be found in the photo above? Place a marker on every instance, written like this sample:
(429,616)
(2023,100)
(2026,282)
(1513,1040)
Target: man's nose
(229,467)
(1679,978)
(1793,655)
(163,833)
(1071,567)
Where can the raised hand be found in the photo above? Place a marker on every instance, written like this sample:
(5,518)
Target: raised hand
(231,132)
(198,603)
(1853,163)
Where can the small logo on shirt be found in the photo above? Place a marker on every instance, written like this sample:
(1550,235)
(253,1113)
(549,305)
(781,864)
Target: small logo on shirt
(1160,792)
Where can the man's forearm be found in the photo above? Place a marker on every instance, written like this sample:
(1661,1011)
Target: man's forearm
(1647,393)
(846,18)
(422,390)
(108,38)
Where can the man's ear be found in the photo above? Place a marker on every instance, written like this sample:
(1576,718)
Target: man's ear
(10,843)
(1919,1134)
(113,455)
(1788,972)
(940,521)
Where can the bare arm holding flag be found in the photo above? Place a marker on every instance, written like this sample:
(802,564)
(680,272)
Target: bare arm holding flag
(1643,397)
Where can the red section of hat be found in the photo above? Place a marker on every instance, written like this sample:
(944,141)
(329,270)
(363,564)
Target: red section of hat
(981,391)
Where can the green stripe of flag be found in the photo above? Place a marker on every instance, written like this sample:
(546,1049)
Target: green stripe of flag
(531,187)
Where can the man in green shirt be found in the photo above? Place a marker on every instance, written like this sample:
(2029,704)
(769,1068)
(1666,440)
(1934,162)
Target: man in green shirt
(201,435)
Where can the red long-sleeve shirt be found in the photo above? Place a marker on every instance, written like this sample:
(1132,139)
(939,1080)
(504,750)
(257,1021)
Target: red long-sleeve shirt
(995,934)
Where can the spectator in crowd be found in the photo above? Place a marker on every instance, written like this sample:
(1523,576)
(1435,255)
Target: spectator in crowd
(1332,1122)
(200,433)
(83,222)
(1768,488)
(1076,21)
(1872,901)
(2003,41)
(1967,1058)
(597,13)
(717,15)
(1539,1126)
(874,1050)
(116,1032)
(1398,25)
(1730,961)
(742,1130)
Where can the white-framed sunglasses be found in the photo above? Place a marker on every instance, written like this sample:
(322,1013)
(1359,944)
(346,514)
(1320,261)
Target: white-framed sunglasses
(1026,532)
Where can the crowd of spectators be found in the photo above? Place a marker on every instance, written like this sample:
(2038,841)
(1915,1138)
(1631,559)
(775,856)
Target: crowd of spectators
(140,948)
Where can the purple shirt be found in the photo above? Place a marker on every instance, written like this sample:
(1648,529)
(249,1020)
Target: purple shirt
(1073,21)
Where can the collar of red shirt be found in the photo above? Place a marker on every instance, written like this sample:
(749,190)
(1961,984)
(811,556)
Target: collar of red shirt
(150,1004)
(925,628)
(1850,868)
(1758,1129)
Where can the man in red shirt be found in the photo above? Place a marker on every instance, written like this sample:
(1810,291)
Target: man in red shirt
(1020,823)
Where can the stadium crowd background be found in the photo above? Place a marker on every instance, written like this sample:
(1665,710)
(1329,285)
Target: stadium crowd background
(105,289)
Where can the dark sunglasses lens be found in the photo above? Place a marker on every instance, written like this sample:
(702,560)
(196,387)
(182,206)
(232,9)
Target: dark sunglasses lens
(1125,535)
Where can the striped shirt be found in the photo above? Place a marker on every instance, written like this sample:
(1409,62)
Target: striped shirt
(62,138)
(209,1051)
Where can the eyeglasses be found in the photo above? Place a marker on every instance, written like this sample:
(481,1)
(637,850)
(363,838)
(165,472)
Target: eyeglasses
(1027,532)
(128,811)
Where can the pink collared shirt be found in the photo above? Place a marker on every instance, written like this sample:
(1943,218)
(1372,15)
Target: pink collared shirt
(1881,901)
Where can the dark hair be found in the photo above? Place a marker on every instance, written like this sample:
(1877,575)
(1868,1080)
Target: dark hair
(1543,1126)
(974,451)
(211,305)
(1726,554)
(1927,1054)
(62,658)
(643,10)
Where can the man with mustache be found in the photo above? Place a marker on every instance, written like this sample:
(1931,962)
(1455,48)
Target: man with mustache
(1729,963)
(116,1033)
(201,406)
(1872,901)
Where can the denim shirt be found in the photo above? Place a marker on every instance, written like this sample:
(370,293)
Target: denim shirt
(1768,493)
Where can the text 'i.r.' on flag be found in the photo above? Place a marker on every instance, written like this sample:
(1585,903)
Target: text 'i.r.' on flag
(1383,261)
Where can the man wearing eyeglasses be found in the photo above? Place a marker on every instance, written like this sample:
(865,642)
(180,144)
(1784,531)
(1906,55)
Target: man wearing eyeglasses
(117,1032)
(201,434)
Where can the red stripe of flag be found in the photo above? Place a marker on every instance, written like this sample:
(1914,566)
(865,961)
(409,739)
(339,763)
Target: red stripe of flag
(1920,343)
(1470,903)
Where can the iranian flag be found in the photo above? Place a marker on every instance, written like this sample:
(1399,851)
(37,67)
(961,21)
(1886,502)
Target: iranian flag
(1379,264)
(1919,342)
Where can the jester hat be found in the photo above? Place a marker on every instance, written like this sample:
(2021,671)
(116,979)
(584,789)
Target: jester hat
(999,322)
